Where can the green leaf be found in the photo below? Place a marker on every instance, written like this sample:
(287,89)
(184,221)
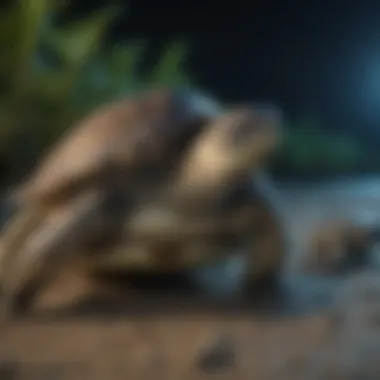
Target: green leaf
(77,42)
(57,6)
(170,69)
(123,60)
(52,85)
(24,26)
(9,27)
(9,42)
(32,14)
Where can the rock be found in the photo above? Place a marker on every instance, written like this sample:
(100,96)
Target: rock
(219,357)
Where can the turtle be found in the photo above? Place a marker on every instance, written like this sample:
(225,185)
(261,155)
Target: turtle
(120,154)
(241,129)
(249,236)
(217,209)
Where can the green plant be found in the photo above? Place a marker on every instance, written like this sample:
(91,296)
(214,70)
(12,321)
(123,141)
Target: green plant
(50,75)
(308,149)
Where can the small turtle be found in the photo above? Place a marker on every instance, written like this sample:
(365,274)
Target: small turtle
(224,229)
(119,155)
(219,207)
(220,156)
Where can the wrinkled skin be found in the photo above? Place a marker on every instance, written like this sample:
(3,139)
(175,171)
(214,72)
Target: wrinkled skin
(225,153)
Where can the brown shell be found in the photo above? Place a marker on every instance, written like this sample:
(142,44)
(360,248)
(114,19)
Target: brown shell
(145,130)
(251,218)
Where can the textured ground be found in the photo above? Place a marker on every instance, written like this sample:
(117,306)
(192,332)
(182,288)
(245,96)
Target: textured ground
(198,340)
(160,347)
(317,328)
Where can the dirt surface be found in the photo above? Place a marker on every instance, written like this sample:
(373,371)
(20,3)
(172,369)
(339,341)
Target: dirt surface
(146,337)
(311,328)
(160,347)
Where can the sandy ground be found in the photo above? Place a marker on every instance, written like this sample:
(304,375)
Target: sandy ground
(313,328)
(196,340)
(163,347)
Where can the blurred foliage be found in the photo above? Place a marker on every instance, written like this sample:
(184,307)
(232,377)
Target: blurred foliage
(309,150)
(52,74)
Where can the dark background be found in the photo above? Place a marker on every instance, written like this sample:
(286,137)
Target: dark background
(318,62)
(309,57)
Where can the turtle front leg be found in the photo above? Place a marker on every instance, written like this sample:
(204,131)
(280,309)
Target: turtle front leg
(254,263)
(267,251)
(60,234)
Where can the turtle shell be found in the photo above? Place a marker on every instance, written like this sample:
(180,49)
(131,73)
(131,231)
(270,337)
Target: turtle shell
(249,219)
(149,131)
(241,207)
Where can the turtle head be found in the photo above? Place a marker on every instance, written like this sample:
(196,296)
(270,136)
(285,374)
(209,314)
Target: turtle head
(234,144)
(230,147)
(249,135)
